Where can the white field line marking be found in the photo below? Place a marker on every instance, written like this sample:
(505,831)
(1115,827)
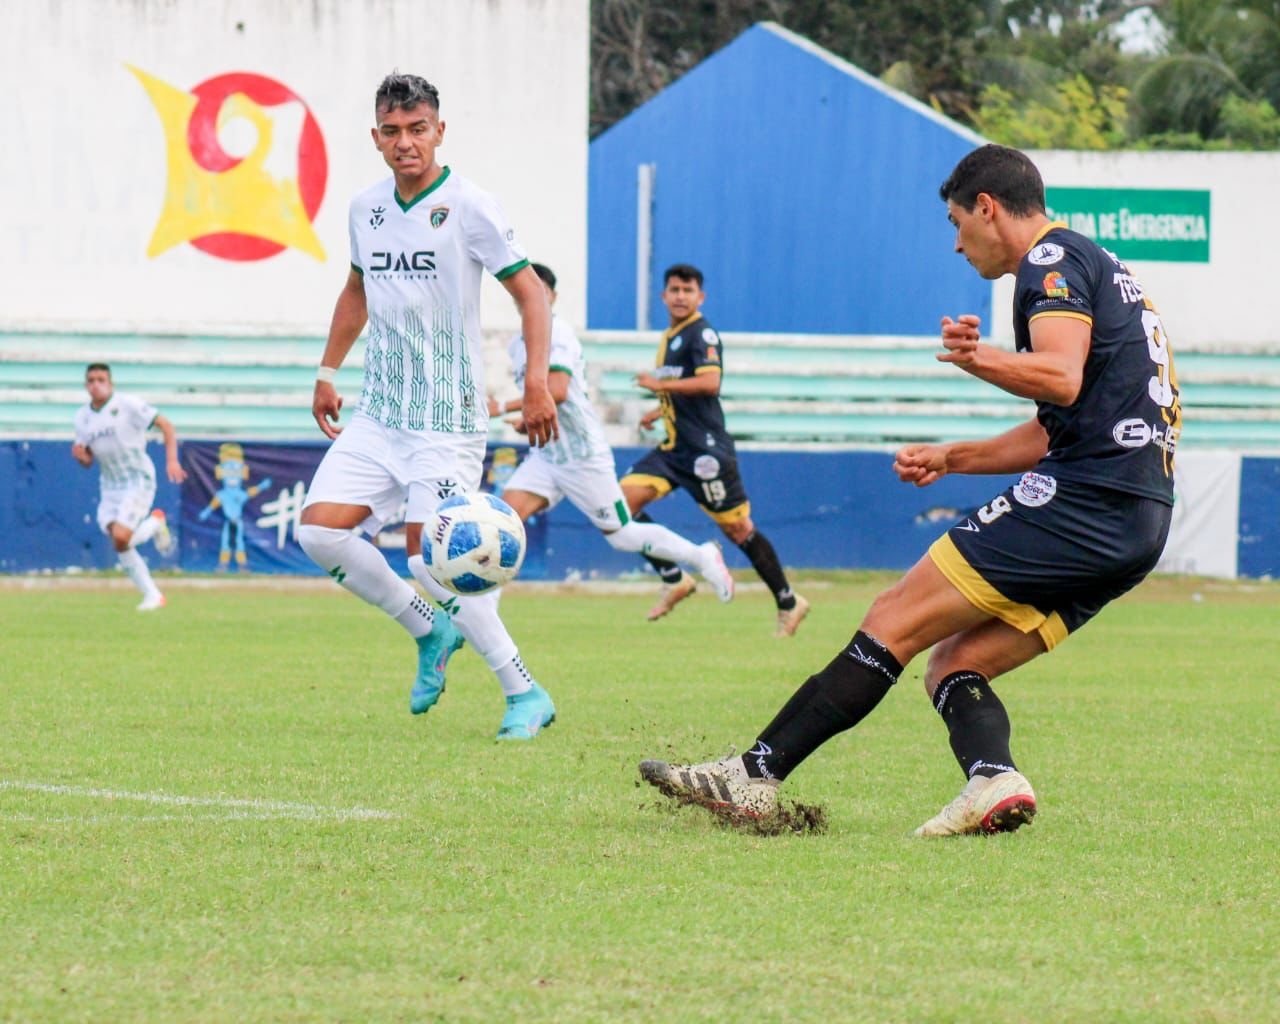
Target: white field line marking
(241,808)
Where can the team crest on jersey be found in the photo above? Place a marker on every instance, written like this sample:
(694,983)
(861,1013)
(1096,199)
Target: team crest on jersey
(676,342)
(1055,286)
(706,467)
(1035,489)
(1045,254)
(377,219)
(438,215)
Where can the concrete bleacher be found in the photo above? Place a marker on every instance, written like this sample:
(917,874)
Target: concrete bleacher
(778,390)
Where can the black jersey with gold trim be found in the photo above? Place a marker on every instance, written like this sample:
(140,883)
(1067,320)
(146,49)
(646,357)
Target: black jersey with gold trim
(690,349)
(1123,427)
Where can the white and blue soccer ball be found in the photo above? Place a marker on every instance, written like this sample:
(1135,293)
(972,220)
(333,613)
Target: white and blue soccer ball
(475,543)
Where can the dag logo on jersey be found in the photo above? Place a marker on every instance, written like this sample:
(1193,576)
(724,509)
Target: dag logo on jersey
(1055,286)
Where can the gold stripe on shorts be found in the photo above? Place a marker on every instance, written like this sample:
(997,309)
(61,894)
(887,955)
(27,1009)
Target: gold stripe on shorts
(729,515)
(659,484)
(981,594)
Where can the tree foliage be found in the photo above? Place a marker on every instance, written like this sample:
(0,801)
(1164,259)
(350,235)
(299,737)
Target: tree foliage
(1073,116)
(1025,72)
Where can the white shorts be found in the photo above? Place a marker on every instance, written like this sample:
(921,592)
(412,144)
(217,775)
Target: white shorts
(591,486)
(128,507)
(372,465)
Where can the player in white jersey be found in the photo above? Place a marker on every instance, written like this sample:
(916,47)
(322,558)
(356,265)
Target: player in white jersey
(579,466)
(419,243)
(111,429)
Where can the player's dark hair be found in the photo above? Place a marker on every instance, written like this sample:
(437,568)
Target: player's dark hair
(684,271)
(97,366)
(404,92)
(1006,174)
(545,274)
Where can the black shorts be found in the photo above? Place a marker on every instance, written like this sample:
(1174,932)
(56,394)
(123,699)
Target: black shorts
(1046,555)
(712,480)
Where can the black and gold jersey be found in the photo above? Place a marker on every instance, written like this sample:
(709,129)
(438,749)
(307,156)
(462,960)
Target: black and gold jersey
(689,349)
(1123,427)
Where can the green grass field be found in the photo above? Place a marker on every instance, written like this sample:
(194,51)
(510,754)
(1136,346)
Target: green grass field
(224,812)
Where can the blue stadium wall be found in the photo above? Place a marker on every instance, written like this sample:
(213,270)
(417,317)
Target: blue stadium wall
(841,510)
(806,192)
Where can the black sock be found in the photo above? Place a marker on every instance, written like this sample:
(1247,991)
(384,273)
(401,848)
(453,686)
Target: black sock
(978,723)
(765,562)
(836,699)
(669,571)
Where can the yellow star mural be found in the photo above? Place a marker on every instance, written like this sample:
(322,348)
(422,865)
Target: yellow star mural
(244,199)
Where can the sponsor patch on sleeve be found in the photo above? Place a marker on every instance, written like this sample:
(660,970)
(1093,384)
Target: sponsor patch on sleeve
(1055,286)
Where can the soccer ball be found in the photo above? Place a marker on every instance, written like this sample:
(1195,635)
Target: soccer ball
(475,543)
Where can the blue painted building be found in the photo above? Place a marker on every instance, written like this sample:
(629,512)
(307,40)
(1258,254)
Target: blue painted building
(805,189)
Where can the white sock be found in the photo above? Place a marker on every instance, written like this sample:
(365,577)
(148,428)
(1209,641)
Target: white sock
(145,531)
(132,563)
(514,678)
(360,568)
(478,621)
(418,618)
(653,539)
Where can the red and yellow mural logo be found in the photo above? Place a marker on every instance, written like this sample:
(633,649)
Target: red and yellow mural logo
(254,201)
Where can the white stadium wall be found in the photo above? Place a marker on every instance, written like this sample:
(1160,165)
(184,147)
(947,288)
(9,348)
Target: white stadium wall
(115,217)
(1194,227)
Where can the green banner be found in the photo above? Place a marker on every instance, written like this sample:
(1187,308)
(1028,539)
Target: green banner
(1138,224)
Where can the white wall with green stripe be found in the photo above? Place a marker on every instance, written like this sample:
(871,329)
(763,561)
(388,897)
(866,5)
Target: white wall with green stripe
(1197,229)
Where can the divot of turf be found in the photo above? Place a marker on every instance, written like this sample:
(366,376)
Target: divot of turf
(788,819)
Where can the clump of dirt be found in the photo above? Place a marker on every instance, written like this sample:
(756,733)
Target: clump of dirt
(788,819)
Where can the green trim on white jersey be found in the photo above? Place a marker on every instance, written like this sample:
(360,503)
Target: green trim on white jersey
(582,434)
(421,267)
(406,207)
(116,434)
(515,268)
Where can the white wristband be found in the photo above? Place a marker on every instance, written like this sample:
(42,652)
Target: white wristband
(326,373)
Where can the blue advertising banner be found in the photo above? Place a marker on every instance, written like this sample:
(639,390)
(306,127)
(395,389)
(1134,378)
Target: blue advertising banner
(239,512)
(242,504)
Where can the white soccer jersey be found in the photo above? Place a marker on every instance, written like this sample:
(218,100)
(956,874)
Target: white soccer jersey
(117,436)
(421,262)
(581,432)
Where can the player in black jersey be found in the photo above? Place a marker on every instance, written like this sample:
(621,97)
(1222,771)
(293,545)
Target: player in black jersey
(1086,522)
(697,453)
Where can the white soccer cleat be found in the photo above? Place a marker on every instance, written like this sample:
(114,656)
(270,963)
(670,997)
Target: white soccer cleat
(672,594)
(789,619)
(1001,803)
(162,538)
(152,602)
(715,572)
(721,785)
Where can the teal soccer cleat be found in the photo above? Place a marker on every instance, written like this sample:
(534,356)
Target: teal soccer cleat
(527,714)
(434,650)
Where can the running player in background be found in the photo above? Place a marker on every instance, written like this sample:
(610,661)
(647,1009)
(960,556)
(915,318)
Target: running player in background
(1086,522)
(420,241)
(580,465)
(698,454)
(111,429)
